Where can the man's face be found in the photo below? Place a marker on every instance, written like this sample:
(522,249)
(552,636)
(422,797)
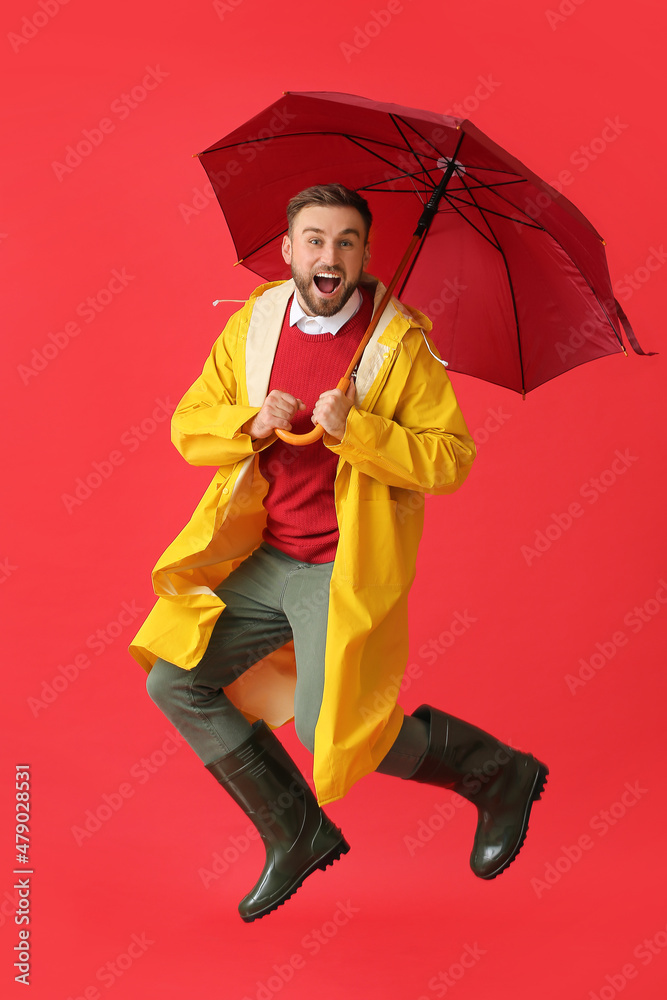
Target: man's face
(327,253)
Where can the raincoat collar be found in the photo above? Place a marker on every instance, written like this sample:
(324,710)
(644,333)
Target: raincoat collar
(269,302)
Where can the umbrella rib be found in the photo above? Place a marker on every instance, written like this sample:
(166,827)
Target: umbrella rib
(255,250)
(544,229)
(400,132)
(596,296)
(511,288)
(299,135)
(439,154)
(422,137)
(491,211)
(497,184)
(407,175)
(417,156)
(481,183)
(373,153)
(433,147)
(375,190)
(469,223)
(478,166)
(492,189)
(344,135)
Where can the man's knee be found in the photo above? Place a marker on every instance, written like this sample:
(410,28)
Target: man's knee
(160,682)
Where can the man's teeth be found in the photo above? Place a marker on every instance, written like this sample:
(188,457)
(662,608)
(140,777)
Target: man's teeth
(327,282)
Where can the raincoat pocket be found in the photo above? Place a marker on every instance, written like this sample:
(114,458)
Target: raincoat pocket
(371,545)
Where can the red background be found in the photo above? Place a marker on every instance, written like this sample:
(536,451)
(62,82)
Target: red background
(551,926)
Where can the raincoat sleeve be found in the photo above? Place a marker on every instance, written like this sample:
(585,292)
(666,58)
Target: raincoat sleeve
(206,425)
(425,446)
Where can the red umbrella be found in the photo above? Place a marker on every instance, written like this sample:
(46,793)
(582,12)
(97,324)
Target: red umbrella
(513,275)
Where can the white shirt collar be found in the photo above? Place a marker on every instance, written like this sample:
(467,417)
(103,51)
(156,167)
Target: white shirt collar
(324,324)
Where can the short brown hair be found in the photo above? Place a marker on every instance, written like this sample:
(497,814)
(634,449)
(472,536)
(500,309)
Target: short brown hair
(328,195)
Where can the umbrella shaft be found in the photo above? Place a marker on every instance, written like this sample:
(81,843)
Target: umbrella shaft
(431,206)
(383,304)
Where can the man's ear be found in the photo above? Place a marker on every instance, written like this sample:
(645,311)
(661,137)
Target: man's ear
(367,255)
(287,249)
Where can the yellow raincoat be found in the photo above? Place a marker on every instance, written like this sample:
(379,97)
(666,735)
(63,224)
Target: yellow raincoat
(404,437)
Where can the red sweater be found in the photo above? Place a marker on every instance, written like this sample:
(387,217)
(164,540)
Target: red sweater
(300,505)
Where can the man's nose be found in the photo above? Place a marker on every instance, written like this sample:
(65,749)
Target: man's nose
(331,256)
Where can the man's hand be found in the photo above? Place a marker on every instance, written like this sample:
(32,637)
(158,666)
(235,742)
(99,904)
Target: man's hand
(277,410)
(332,408)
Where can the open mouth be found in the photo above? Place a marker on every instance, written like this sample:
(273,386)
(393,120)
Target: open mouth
(327,282)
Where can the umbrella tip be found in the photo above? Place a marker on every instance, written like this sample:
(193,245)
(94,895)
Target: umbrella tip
(236,264)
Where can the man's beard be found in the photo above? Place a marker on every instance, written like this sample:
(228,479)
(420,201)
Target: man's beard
(324,307)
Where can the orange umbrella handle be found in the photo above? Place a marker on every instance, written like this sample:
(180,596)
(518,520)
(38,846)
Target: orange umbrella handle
(317,430)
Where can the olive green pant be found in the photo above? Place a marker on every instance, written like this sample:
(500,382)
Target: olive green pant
(270,598)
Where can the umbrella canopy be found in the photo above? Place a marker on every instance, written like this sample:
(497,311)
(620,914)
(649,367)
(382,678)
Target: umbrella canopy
(513,275)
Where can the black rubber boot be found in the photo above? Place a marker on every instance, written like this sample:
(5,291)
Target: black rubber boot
(502,782)
(265,782)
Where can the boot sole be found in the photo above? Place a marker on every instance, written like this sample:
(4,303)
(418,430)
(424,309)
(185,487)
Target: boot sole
(535,795)
(334,854)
